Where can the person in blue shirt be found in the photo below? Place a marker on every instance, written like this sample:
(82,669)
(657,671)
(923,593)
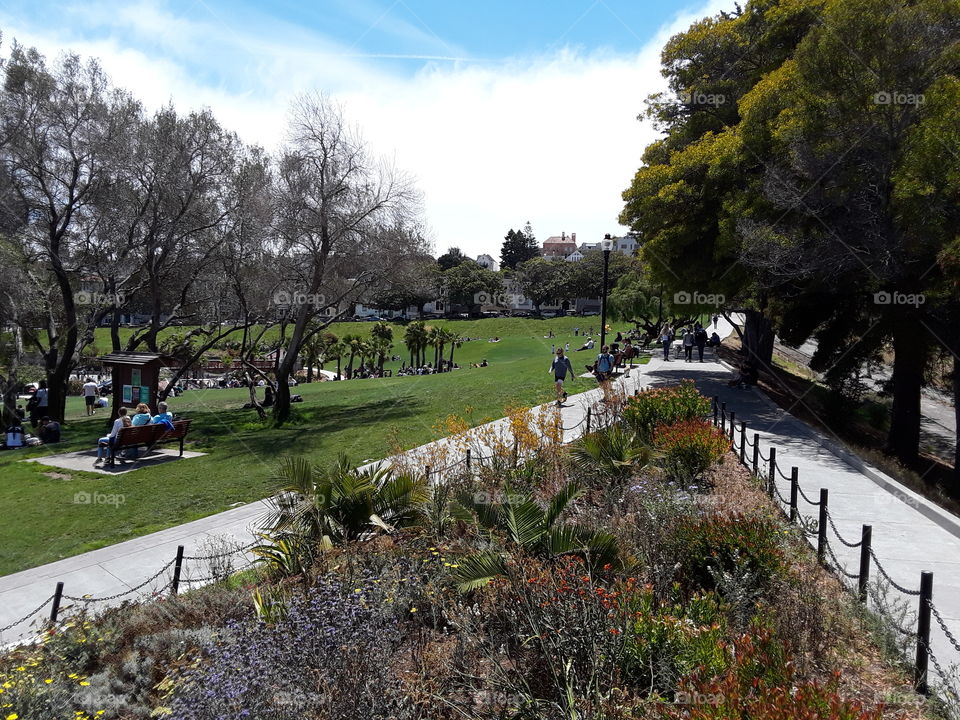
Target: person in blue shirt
(143,416)
(602,369)
(162,414)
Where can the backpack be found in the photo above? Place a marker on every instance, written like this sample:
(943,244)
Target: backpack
(604,363)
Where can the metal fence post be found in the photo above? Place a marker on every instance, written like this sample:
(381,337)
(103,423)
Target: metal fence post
(733,429)
(866,537)
(773,471)
(822,526)
(743,442)
(923,633)
(794,495)
(756,453)
(716,409)
(588,421)
(426,472)
(177,566)
(468,458)
(55,610)
(723,417)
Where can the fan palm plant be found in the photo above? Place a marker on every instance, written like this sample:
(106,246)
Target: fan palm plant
(614,453)
(455,340)
(529,528)
(382,335)
(414,337)
(341,504)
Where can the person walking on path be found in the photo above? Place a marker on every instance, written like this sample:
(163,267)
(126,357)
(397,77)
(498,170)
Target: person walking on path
(559,368)
(700,340)
(90,396)
(602,369)
(688,345)
(666,337)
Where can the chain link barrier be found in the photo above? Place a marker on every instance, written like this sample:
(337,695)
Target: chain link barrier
(804,496)
(225,554)
(839,536)
(839,566)
(905,591)
(943,626)
(29,615)
(88,600)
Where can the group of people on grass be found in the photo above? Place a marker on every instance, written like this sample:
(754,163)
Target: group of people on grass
(143,416)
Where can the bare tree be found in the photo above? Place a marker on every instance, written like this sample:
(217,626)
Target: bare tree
(333,206)
(62,126)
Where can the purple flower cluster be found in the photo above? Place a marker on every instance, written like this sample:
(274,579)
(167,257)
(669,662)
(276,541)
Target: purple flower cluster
(330,656)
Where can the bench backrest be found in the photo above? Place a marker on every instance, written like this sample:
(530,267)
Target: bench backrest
(146,434)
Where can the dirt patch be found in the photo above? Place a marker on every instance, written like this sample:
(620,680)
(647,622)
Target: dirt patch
(58,476)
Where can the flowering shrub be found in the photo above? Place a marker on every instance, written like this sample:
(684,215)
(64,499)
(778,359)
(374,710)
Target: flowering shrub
(758,684)
(690,447)
(664,406)
(716,545)
(327,657)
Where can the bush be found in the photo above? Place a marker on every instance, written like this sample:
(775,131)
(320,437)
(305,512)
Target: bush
(730,545)
(656,407)
(759,685)
(690,447)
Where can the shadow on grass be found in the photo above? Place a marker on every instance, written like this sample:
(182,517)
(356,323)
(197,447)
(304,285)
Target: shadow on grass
(224,428)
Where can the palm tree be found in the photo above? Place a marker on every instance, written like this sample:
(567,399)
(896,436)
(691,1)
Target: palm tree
(432,339)
(414,337)
(455,340)
(383,337)
(353,345)
(341,504)
(612,453)
(532,529)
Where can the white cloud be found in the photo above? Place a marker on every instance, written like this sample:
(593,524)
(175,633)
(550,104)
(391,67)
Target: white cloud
(550,139)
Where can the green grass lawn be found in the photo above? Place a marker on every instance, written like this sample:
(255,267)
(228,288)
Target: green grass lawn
(358,417)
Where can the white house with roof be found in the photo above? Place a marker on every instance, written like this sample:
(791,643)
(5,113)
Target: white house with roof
(488,262)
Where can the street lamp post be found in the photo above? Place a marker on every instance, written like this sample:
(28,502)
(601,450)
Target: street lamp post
(606,245)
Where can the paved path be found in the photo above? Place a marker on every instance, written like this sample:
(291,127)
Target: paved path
(910,533)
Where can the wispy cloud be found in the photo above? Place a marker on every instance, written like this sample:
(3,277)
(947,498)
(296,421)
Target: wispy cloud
(552,139)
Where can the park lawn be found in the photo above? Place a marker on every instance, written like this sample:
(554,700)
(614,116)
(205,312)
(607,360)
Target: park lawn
(362,418)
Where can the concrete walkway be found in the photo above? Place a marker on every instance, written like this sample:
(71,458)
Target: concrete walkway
(910,533)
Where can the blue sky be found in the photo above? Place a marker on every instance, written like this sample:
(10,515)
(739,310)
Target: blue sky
(502,111)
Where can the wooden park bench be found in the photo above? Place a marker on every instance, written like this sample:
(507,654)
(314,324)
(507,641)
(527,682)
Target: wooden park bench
(148,435)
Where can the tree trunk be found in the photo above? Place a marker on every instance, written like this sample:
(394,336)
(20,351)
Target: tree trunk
(339,377)
(909,354)
(757,339)
(115,344)
(450,363)
(956,420)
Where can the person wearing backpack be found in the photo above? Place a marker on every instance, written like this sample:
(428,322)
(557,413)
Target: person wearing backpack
(559,368)
(602,369)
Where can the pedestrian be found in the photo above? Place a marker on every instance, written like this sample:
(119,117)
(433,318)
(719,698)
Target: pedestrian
(37,405)
(602,369)
(566,347)
(715,318)
(665,339)
(688,343)
(559,368)
(89,396)
(700,339)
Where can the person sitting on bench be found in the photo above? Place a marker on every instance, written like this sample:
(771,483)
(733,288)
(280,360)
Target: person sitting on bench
(103,444)
(162,414)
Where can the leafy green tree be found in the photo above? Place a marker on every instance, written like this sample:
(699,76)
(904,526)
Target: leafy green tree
(586,276)
(468,283)
(518,246)
(542,280)
(451,258)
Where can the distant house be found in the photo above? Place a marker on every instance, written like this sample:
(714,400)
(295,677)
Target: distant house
(575,256)
(627,245)
(559,247)
(487,261)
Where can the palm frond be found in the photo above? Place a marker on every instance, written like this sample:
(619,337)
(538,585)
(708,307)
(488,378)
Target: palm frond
(477,570)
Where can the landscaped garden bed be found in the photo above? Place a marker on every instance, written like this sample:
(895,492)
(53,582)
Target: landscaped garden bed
(639,573)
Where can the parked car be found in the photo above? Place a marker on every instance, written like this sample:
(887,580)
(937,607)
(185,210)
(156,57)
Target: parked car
(548,314)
